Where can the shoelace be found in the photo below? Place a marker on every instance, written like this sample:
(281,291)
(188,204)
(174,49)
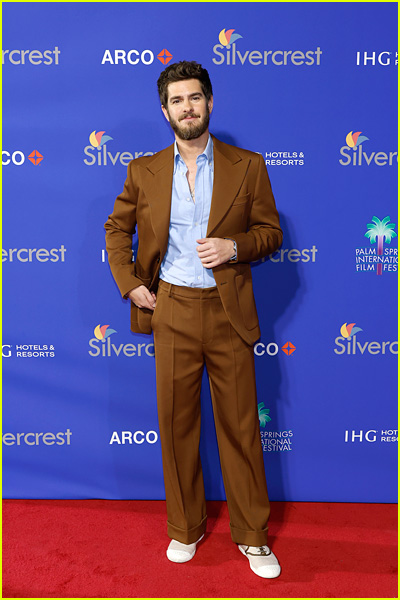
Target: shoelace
(262,551)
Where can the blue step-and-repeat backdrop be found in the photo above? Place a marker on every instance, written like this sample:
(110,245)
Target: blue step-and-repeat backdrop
(310,86)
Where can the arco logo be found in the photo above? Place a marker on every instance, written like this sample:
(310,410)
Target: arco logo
(35,157)
(164,56)
(133,437)
(97,139)
(288,348)
(272,349)
(18,158)
(134,57)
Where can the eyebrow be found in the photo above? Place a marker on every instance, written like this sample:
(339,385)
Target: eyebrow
(190,95)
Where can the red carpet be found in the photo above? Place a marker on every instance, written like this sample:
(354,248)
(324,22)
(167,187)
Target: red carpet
(116,549)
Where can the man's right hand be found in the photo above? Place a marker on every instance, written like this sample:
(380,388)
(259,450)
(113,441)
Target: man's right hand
(142,298)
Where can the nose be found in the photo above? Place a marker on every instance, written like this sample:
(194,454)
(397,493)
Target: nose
(187,105)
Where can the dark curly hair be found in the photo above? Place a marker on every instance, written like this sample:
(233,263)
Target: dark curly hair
(179,72)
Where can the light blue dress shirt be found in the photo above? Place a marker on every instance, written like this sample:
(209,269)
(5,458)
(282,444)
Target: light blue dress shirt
(189,220)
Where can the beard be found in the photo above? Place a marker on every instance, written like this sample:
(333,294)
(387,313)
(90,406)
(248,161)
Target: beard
(191,130)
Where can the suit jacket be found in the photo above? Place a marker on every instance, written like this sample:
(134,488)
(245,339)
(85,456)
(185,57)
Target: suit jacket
(242,208)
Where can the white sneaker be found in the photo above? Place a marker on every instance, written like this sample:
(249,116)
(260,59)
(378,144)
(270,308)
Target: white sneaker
(263,561)
(180,553)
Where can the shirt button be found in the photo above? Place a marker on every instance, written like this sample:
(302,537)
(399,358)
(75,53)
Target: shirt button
(196,223)
(198,277)
(187,199)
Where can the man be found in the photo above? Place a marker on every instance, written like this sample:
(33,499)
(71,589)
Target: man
(204,210)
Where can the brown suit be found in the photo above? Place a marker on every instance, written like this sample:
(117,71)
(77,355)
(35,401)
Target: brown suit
(242,208)
(192,327)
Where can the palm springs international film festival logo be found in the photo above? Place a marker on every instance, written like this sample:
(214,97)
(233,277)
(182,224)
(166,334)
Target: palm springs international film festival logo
(376,258)
(98,153)
(227,53)
(347,343)
(273,441)
(354,155)
(101,345)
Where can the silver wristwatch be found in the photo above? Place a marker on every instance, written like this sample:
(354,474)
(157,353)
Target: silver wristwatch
(234,257)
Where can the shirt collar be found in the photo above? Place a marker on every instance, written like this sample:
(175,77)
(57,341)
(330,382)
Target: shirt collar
(208,153)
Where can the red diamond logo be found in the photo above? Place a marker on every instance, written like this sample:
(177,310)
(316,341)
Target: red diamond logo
(35,157)
(164,56)
(288,348)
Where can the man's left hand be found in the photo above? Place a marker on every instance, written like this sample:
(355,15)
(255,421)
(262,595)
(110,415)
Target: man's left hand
(214,251)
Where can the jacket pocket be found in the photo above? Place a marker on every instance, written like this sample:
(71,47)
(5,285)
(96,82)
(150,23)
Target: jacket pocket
(240,200)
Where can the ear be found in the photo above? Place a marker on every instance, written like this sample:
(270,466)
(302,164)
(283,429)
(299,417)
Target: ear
(165,112)
(210,104)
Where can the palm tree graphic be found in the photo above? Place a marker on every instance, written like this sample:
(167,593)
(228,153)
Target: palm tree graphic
(263,414)
(377,230)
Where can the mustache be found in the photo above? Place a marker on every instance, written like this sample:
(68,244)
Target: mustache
(188,115)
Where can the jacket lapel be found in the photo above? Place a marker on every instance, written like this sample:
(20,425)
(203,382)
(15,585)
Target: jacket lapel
(229,172)
(157,185)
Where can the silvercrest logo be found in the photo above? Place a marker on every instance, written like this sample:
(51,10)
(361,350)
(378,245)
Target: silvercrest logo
(233,57)
(99,155)
(228,54)
(33,57)
(347,343)
(101,345)
(355,156)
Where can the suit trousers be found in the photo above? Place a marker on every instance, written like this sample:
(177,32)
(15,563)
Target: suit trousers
(191,329)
